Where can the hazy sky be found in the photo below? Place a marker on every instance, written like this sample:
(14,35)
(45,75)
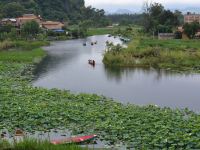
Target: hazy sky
(136,5)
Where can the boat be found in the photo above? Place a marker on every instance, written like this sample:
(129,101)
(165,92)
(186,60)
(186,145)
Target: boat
(76,140)
(91,62)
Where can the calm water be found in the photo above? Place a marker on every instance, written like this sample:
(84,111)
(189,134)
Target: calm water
(66,67)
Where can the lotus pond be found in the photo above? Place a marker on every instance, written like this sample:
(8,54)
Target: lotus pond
(37,109)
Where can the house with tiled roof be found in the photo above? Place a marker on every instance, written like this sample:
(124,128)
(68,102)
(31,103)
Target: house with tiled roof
(52,25)
(28,17)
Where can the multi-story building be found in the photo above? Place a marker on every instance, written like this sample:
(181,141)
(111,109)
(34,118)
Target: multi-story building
(189,18)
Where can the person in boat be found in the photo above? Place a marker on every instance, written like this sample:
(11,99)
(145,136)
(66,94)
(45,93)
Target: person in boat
(92,62)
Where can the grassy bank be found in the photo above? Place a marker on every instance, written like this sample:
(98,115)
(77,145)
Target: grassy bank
(100,31)
(38,109)
(31,144)
(181,55)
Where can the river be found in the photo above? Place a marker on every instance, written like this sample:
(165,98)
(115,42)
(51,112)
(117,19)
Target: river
(66,67)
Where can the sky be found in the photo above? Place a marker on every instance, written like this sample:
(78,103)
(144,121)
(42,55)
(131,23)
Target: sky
(136,5)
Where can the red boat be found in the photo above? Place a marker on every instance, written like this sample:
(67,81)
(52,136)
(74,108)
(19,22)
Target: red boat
(78,140)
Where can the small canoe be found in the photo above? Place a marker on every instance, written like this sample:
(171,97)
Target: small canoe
(92,62)
(77,140)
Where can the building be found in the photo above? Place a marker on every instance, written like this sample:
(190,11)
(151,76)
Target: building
(166,36)
(28,17)
(9,21)
(189,18)
(52,25)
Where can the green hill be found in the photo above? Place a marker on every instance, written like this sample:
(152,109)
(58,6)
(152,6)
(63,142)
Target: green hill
(62,10)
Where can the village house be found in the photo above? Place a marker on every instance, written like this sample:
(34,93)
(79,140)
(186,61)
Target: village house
(189,18)
(20,21)
(9,21)
(52,25)
(28,17)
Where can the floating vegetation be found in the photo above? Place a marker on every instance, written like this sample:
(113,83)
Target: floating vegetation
(37,109)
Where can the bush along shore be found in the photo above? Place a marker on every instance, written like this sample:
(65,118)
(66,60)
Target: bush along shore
(178,55)
(35,109)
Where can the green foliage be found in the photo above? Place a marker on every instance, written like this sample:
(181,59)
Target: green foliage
(6,28)
(72,11)
(156,16)
(30,29)
(37,109)
(191,29)
(126,19)
(180,55)
(100,31)
(5,45)
(12,9)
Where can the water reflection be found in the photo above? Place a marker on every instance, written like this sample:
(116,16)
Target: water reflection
(66,67)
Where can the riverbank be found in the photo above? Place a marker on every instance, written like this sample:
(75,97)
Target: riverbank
(31,144)
(179,55)
(37,109)
(100,31)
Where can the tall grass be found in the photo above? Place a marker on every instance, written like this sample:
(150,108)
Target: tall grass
(32,144)
(22,45)
(170,54)
(6,45)
(100,31)
(31,56)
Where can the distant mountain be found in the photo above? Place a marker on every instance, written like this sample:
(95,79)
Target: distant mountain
(123,11)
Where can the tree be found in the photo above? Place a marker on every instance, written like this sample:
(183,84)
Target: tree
(12,10)
(6,28)
(191,29)
(157,18)
(30,28)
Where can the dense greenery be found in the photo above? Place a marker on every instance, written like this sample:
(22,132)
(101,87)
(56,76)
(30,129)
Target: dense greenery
(31,144)
(191,29)
(126,19)
(158,19)
(31,29)
(72,11)
(180,55)
(37,109)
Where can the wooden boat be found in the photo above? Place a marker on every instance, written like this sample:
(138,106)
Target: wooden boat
(77,140)
(91,62)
